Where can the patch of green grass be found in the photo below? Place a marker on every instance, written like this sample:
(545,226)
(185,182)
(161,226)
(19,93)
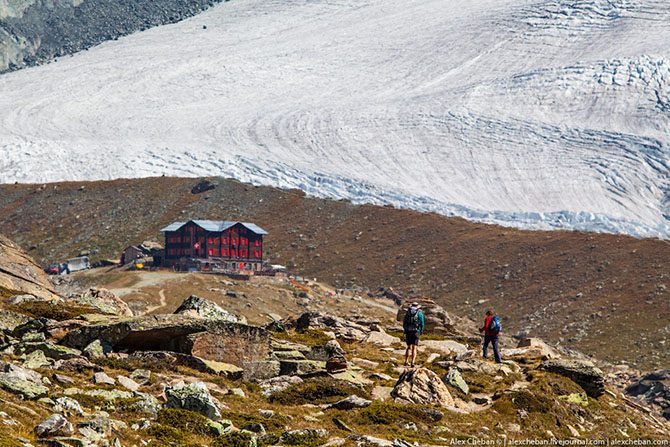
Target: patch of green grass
(88,401)
(7,293)
(522,400)
(128,405)
(309,439)
(6,440)
(484,383)
(234,439)
(309,337)
(186,421)
(276,423)
(166,434)
(60,312)
(387,413)
(320,390)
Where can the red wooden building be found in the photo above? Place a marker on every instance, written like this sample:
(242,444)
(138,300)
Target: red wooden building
(223,244)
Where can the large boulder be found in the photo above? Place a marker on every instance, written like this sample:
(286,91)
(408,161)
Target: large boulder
(530,349)
(582,372)
(10,320)
(200,307)
(217,340)
(381,338)
(342,328)
(102,300)
(20,274)
(654,390)
(54,425)
(21,381)
(193,397)
(422,386)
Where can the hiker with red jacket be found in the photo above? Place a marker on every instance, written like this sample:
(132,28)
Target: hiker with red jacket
(491,330)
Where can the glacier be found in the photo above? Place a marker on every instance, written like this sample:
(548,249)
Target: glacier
(531,114)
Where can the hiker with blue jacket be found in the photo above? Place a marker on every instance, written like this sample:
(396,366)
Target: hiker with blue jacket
(413,325)
(491,331)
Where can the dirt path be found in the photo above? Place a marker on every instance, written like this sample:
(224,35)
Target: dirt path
(162,303)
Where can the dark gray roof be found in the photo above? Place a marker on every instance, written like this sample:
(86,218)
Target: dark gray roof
(215,225)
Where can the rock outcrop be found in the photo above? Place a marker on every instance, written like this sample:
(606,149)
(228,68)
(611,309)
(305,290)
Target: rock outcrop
(422,386)
(215,340)
(20,274)
(196,306)
(342,328)
(103,301)
(584,373)
(654,390)
(34,32)
(193,397)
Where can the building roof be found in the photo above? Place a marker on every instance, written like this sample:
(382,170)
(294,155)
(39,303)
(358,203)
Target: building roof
(215,225)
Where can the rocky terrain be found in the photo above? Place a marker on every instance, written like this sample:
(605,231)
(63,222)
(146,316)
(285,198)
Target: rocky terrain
(20,274)
(91,372)
(570,288)
(33,32)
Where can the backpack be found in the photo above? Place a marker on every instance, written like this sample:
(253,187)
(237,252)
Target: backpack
(494,325)
(412,322)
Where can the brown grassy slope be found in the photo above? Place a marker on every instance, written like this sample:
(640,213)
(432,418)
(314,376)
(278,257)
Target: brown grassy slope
(604,294)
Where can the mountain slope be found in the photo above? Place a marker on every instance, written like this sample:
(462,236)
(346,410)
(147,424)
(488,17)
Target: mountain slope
(538,114)
(34,32)
(19,274)
(568,287)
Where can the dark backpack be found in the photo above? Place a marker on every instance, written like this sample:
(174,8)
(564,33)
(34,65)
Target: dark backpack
(494,325)
(412,322)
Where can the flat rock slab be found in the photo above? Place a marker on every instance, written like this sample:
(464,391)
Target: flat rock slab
(208,339)
(584,373)
(25,388)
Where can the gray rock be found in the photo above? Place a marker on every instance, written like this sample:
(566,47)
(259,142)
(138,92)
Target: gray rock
(97,349)
(255,428)
(654,389)
(103,301)
(33,337)
(193,397)
(203,308)
(350,403)
(68,405)
(54,425)
(103,378)
(108,395)
(455,379)
(267,414)
(11,320)
(203,186)
(276,384)
(21,381)
(49,349)
(146,404)
(261,370)
(422,386)
(301,367)
(36,359)
(141,376)
(582,372)
(128,383)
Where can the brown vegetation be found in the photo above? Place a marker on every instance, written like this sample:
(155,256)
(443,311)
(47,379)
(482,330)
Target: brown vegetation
(569,287)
